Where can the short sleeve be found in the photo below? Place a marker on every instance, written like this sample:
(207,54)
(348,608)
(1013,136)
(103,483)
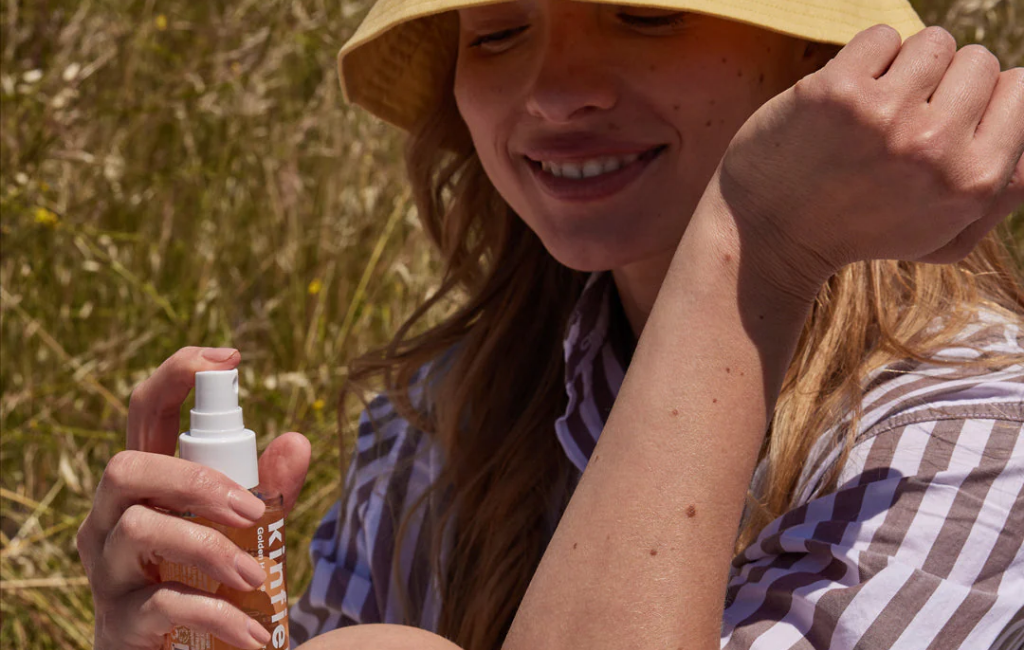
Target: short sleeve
(352,548)
(919,547)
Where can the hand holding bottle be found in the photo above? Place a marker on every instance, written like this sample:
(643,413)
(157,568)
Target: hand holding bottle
(126,536)
(905,151)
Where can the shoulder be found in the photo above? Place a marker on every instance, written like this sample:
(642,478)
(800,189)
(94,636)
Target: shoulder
(906,391)
(921,538)
(909,400)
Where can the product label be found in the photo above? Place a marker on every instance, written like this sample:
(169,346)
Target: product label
(268,604)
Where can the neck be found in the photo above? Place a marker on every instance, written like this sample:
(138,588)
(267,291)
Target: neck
(638,286)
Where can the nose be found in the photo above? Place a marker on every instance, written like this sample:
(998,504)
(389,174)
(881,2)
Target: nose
(572,77)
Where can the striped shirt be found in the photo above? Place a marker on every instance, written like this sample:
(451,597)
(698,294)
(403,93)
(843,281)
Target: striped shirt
(919,546)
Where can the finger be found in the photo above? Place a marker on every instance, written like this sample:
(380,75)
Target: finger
(869,53)
(174,484)
(962,245)
(921,63)
(143,537)
(283,467)
(1001,127)
(156,610)
(966,88)
(155,406)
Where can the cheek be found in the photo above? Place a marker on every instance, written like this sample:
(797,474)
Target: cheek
(483,103)
(711,95)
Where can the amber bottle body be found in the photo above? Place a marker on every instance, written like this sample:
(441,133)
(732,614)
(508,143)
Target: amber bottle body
(268,604)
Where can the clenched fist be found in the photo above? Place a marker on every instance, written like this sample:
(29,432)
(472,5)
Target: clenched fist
(905,151)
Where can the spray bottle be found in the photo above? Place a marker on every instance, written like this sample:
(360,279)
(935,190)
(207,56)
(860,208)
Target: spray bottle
(217,438)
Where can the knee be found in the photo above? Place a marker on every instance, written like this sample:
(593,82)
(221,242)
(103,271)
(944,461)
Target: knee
(378,637)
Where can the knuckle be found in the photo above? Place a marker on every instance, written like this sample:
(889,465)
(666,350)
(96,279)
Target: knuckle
(160,605)
(82,537)
(221,610)
(836,91)
(186,354)
(811,87)
(979,56)
(203,481)
(140,394)
(134,524)
(842,89)
(214,546)
(121,469)
(922,145)
(938,38)
(1015,77)
(84,544)
(982,184)
(887,32)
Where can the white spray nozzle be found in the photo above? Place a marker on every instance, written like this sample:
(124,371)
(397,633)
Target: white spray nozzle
(218,438)
(217,411)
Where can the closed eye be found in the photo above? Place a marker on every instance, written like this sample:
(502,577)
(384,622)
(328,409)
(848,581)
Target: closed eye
(497,37)
(666,20)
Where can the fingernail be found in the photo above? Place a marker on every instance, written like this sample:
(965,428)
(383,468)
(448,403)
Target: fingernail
(250,570)
(258,633)
(246,505)
(218,355)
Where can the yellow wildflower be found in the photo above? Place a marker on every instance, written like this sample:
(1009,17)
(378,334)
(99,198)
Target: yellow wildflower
(161,22)
(45,217)
(318,405)
(314,287)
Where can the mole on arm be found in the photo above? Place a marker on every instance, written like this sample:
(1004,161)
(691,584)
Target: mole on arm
(691,511)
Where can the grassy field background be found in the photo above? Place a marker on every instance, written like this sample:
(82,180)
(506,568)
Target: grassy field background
(181,172)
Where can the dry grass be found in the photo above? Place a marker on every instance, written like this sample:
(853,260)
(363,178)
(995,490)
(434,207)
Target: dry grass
(182,173)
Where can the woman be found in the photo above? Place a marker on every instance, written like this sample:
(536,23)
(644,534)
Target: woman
(804,249)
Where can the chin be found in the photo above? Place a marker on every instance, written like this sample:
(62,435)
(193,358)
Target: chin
(589,247)
(595,256)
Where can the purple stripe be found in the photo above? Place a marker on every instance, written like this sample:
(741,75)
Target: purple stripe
(604,394)
(833,604)
(578,430)
(984,592)
(970,499)
(420,570)
(770,544)
(887,627)
(910,491)
(588,309)
(846,508)
(384,542)
(778,598)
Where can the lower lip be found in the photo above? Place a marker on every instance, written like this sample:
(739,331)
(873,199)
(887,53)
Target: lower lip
(580,190)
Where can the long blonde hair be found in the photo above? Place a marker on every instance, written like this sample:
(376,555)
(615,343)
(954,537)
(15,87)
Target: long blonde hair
(492,404)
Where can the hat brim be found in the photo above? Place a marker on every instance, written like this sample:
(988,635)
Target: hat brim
(394,63)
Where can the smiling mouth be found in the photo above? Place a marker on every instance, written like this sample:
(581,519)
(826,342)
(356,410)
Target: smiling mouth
(593,167)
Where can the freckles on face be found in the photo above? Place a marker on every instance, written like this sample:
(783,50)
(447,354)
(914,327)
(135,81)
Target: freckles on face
(689,90)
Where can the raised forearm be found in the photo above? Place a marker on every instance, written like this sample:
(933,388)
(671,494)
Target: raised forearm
(641,556)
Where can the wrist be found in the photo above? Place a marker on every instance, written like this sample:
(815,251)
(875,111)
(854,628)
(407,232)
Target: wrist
(772,259)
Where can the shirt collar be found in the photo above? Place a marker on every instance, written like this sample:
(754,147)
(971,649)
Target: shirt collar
(598,345)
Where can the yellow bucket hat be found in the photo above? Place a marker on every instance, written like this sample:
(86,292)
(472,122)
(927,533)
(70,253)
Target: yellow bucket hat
(395,63)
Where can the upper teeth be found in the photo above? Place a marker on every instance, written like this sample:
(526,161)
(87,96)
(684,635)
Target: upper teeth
(588,168)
